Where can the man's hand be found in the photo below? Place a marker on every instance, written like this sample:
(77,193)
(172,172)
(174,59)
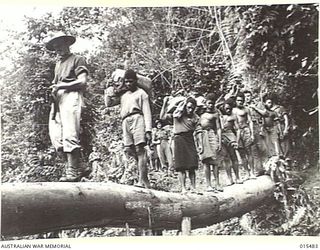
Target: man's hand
(252,138)
(235,145)
(235,90)
(263,92)
(54,89)
(166,100)
(253,106)
(119,88)
(148,137)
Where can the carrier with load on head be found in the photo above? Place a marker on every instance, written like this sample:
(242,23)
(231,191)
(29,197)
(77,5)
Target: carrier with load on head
(143,82)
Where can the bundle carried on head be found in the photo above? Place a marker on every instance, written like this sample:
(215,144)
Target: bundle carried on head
(142,82)
(174,103)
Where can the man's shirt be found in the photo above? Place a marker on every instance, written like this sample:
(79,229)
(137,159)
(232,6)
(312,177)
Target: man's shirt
(69,68)
(137,101)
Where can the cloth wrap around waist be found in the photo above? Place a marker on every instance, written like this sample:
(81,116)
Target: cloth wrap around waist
(185,153)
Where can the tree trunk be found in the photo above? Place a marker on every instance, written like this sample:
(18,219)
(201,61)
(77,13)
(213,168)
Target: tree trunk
(30,208)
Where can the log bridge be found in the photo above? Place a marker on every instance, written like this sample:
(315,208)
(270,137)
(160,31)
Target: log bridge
(30,208)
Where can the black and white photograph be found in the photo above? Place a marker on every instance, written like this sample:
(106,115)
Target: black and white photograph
(159,122)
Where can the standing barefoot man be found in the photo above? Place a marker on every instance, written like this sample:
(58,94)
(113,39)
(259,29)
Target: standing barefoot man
(246,133)
(136,121)
(271,126)
(284,121)
(161,140)
(258,147)
(210,142)
(229,138)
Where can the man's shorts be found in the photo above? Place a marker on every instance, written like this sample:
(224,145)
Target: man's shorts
(272,133)
(133,128)
(228,140)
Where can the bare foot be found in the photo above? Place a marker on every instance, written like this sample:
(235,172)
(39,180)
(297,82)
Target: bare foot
(140,185)
(184,191)
(193,190)
(211,189)
(252,176)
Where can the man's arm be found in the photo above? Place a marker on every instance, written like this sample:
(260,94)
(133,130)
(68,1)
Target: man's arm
(262,94)
(146,110)
(261,112)
(237,128)
(198,134)
(286,124)
(285,116)
(178,112)
(163,113)
(218,126)
(81,73)
(77,84)
(199,141)
(221,120)
(250,122)
(155,139)
(232,93)
(219,101)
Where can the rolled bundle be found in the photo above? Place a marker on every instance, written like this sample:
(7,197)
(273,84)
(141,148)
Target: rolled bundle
(174,102)
(143,82)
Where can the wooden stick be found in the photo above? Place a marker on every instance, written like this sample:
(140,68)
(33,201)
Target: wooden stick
(186,226)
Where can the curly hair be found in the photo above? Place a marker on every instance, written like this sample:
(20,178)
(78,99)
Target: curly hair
(130,74)
(211,97)
(269,97)
(192,100)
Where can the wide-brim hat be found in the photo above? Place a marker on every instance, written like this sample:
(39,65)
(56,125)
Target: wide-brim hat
(52,38)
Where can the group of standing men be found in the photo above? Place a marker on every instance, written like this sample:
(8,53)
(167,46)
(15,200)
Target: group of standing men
(231,131)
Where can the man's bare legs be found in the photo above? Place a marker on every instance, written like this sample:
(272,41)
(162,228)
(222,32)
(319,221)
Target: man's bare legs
(216,177)
(251,162)
(182,180)
(142,166)
(236,163)
(192,177)
(248,163)
(139,154)
(207,173)
(227,165)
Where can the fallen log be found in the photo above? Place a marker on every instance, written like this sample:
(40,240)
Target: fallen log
(30,208)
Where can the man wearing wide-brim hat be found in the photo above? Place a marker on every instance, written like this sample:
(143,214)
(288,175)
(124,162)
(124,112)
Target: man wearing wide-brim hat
(70,77)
